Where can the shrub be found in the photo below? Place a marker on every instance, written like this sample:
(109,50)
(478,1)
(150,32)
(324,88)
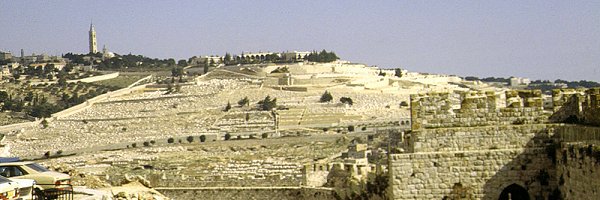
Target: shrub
(325,129)
(264,135)
(326,97)
(398,72)
(190,139)
(239,137)
(227,136)
(267,103)
(152,142)
(170,140)
(123,129)
(146,143)
(244,102)
(364,128)
(403,104)
(180,141)
(47,154)
(44,123)
(134,145)
(346,100)
(202,138)
(351,128)
(227,107)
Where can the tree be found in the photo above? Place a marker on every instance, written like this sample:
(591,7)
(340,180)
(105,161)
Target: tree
(190,139)
(227,58)
(3,96)
(170,140)
(62,81)
(398,72)
(177,71)
(227,107)
(322,56)
(244,102)
(202,138)
(326,97)
(272,57)
(227,136)
(182,63)
(267,103)
(206,66)
(403,104)
(42,110)
(346,100)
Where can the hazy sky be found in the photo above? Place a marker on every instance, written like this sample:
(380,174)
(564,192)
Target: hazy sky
(547,39)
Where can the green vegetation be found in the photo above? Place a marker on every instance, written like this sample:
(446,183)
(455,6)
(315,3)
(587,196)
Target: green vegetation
(403,104)
(322,56)
(244,102)
(227,107)
(170,140)
(346,100)
(326,97)
(398,72)
(227,136)
(351,128)
(202,138)
(122,62)
(267,103)
(190,139)
(280,70)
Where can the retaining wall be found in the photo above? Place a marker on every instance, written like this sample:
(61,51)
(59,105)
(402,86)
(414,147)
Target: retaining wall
(279,193)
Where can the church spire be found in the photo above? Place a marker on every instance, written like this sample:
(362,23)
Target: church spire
(93,42)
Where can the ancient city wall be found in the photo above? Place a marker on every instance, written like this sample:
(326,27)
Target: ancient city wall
(578,162)
(576,106)
(474,145)
(473,174)
(443,110)
(479,138)
(578,169)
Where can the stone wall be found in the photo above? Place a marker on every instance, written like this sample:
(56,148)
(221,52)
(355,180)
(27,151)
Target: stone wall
(469,109)
(480,174)
(280,193)
(481,160)
(479,138)
(477,145)
(576,106)
(578,162)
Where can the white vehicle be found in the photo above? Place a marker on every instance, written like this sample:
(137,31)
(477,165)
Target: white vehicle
(25,188)
(8,189)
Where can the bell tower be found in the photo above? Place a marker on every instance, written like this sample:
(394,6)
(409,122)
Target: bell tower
(93,44)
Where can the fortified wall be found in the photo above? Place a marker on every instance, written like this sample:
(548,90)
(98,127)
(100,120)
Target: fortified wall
(488,145)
